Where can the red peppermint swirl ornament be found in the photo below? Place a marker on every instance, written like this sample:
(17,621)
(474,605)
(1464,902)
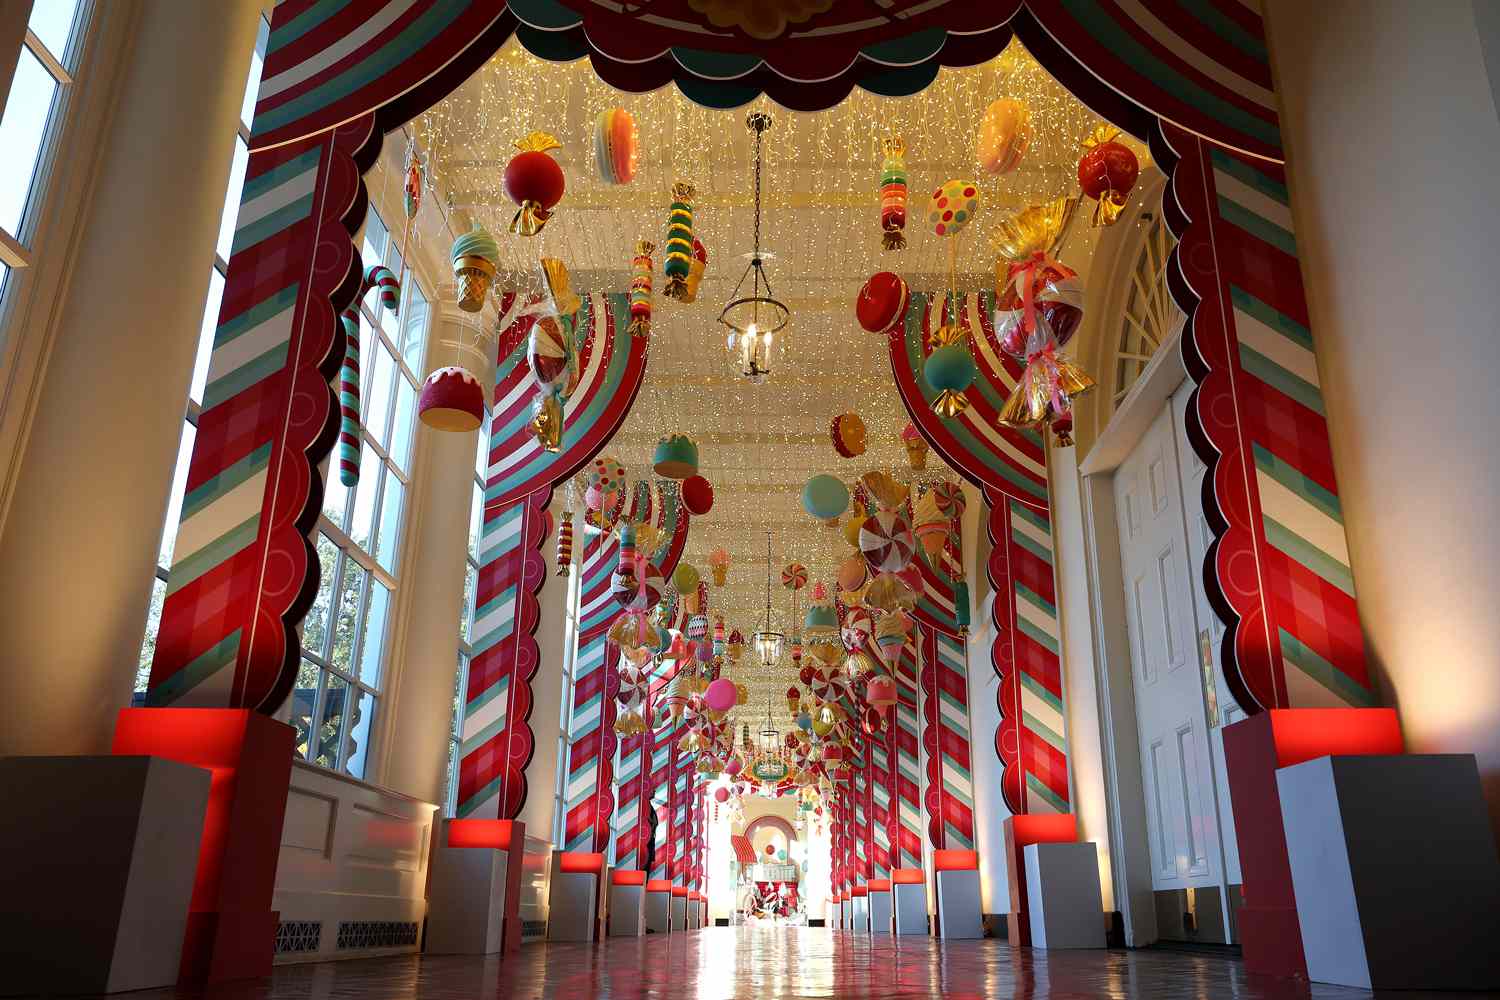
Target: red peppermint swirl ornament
(887,541)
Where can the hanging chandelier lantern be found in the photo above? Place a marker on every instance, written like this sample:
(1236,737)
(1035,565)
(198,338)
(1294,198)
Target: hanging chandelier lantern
(768,641)
(754,319)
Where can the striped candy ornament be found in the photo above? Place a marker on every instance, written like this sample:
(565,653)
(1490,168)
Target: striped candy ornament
(380,277)
(349,401)
(893,194)
(679,241)
(640,289)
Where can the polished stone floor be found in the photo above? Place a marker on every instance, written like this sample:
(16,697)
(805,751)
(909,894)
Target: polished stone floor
(777,962)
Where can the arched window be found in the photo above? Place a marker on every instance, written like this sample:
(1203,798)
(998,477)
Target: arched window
(1150,316)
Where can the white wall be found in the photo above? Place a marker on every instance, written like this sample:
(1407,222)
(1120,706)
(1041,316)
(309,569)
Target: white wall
(1392,138)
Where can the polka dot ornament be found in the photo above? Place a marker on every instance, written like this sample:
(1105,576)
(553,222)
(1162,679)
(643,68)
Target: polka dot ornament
(952,206)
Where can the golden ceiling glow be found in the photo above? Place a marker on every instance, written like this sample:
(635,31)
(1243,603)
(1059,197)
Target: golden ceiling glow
(758,444)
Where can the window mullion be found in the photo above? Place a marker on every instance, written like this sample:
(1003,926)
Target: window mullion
(49,61)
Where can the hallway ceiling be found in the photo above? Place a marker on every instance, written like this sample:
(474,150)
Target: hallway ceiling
(758,445)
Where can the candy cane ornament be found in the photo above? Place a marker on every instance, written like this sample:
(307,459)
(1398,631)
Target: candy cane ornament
(377,276)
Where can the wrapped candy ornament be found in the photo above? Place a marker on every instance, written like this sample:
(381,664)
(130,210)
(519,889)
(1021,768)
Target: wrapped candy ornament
(553,362)
(535,182)
(893,194)
(679,241)
(561,299)
(1107,173)
(949,370)
(1030,281)
(848,433)
(916,447)
(475,256)
(1047,387)
(640,289)
(564,542)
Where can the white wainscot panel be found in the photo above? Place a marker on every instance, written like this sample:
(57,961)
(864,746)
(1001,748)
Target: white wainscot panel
(351,881)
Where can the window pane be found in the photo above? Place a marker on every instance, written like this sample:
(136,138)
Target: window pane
(335,493)
(476,517)
(174,502)
(375,236)
(414,326)
(471,587)
(252,85)
(372,639)
(21,133)
(351,592)
(458,692)
(315,625)
(148,646)
(401,423)
(364,499)
(389,539)
(232,197)
(330,721)
(482,450)
(359,732)
(304,694)
(206,334)
(52,21)
(377,402)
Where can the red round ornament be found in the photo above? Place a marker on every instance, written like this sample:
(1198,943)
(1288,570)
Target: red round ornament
(535,182)
(721,795)
(882,302)
(697,495)
(1109,166)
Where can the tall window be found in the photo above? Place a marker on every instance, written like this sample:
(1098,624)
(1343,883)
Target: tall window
(35,108)
(466,620)
(582,535)
(346,635)
(220,266)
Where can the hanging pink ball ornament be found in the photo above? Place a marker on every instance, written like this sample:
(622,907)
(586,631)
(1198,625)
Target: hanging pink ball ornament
(721,695)
(721,795)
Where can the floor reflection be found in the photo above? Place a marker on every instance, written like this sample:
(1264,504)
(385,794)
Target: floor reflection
(773,962)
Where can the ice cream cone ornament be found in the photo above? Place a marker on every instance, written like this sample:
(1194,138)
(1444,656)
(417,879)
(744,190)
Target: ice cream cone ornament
(475,257)
(718,564)
(915,446)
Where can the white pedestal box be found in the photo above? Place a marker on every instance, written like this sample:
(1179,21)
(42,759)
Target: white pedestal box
(909,907)
(880,911)
(958,905)
(1395,871)
(466,901)
(101,853)
(860,913)
(702,913)
(573,905)
(1063,896)
(694,915)
(679,913)
(659,910)
(627,910)
(846,914)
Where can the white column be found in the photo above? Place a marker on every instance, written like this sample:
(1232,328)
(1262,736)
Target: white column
(419,703)
(81,534)
(553,635)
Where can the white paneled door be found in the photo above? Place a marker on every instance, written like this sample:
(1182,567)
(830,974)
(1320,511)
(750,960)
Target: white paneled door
(1180,697)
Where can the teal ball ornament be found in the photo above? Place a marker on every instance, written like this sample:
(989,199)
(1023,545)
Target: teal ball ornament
(949,371)
(825,497)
